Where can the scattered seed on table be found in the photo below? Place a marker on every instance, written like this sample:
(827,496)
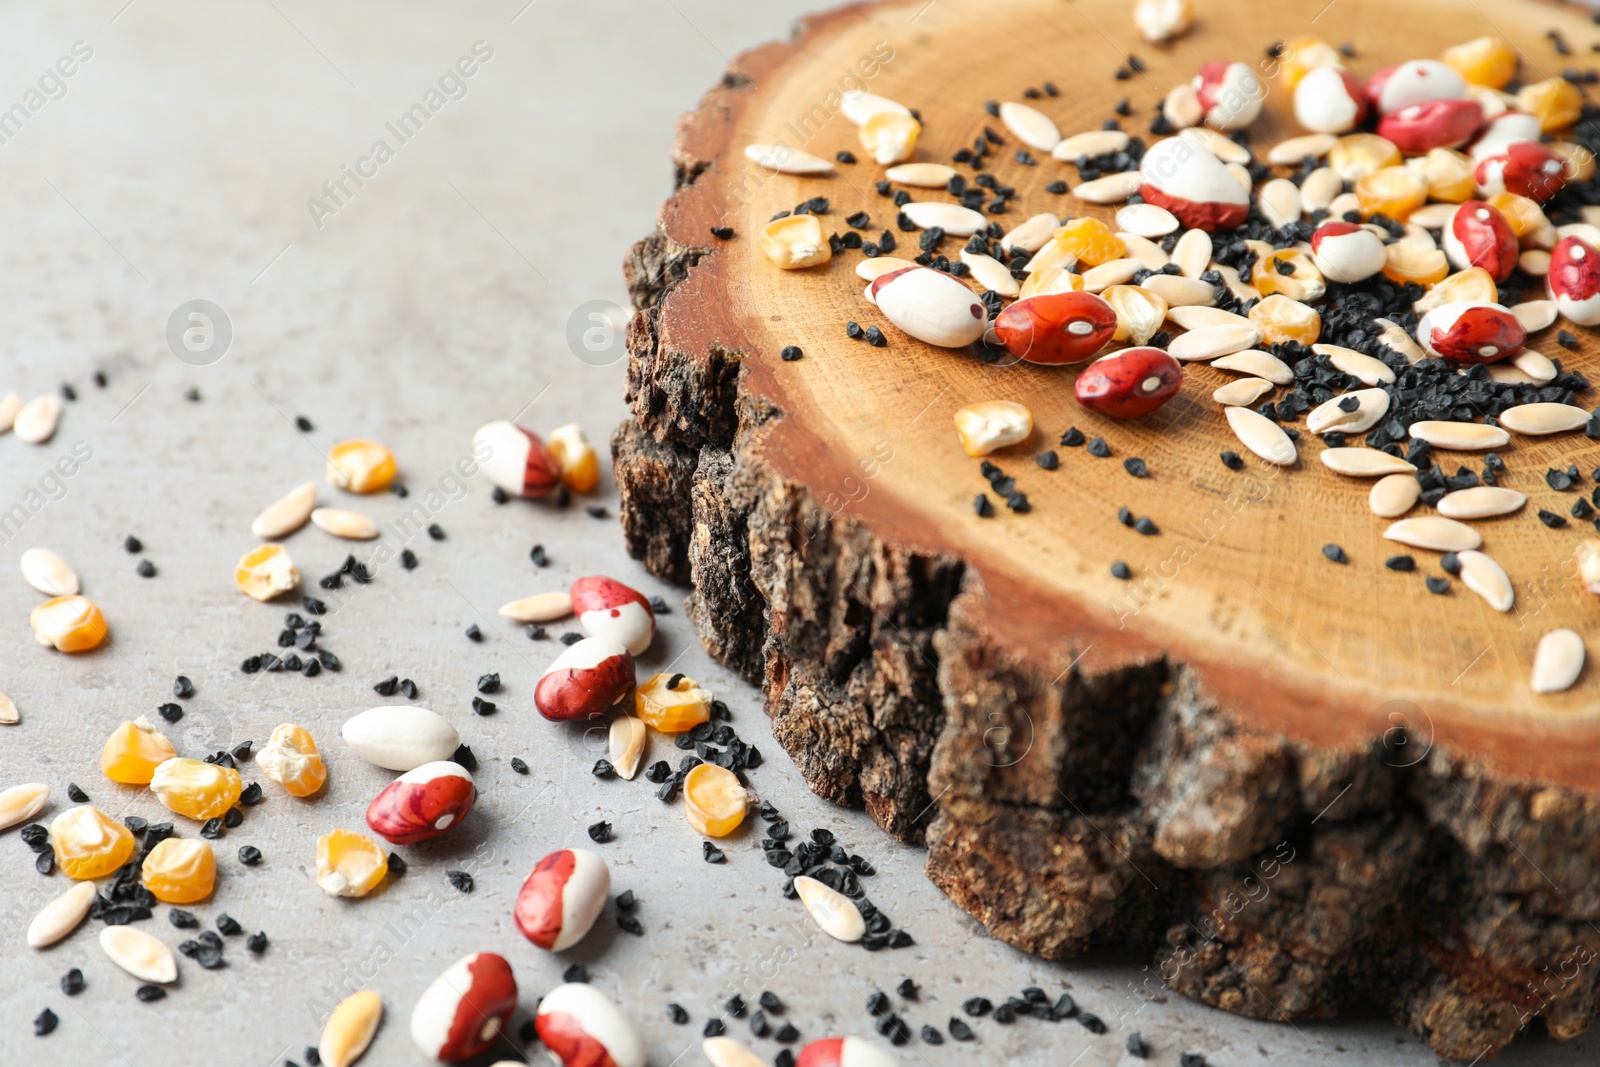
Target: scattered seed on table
(150,993)
(786,1034)
(1121,570)
(1191,1059)
(257,942)
(146,569)
(769,1001)
(1098,448)
(1005,1013)
(249,855)
(1335,554)
(44,1023)
(182,688)
(600,832)
(536,633)
(251,795)
(875,337)
(436,531)
(977,1007)
(1047,460)
(473,633)
(1551,519)
(1018,502)
(539,557)
(1136,1046)
(1400,563)
(1136,467)
(1146,527)
(233,819)
(183,920)
(1437,584)
(409,688)
(461,880)
(711,853)
(982,506)
(463,756)
(878,1003)
(713,1028)
(72,982)
(75,794)
(676,1014)
(722,233)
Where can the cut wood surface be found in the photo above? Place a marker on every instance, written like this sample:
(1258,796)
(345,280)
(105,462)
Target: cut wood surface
(1091,761)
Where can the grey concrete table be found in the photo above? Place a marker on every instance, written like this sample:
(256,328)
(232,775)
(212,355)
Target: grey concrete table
(228,152)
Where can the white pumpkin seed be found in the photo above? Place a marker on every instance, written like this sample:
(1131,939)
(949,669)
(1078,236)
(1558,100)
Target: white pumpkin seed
(1480,502)
(1139,313)
(1181,292)
(1536,365)
(1364,462)
(870,269)
(61,916)
(1242,392)
(1395,337)
(1393,495)
(1588,573)
(1535,261)
(1557,661)
(1117,272)
(139,954)
(859,106)
(834,912)
(1504,374)
(1459,436)
(400,737)
(1319,189)
(1224,148)
(1535,315)
(9,715)
(10,404)
(1051,256)
(1032,126)
(1090,144)
(1434,532)
(1147,220)
(22,802)
(922,175)
(1182,107)
(1192,253)
(726,1052)
(1371,406)
(786,160)
(49,573)
(342,522)
(1031,235)
(1279,200)
(540,607)
(1342,204)
(953,219)
(1111,189)
(1196,317)
(1537,420)
(1144,250)
(1488,579)
(626,744)
(36,421)
(1358,365)
(1261,435)
(1209,342)
(1242,291)
(1295,149)
(1255,362)
(289,512)
(990,273)
(1432,216)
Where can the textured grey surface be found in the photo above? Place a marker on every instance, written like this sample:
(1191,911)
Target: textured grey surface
(178,165)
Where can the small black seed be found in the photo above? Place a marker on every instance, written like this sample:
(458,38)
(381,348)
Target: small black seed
(518,765)
(713,1028)
(473,633)
(182,688)
(1400,563)
(1335,554)
(249,855)
(461,880)
(1136,467)
(72,982)
(791,353)
(257,942)
(150,993)
(1146,527)
(146,569)
(959,1030)
(1232,461)
(1119,569)
(1098,448)
(977,1007)
(76,795)
(675,1013)
(600,832)
(1437,584)
(711,853)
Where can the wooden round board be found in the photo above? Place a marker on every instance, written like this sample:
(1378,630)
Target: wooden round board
(1095,761)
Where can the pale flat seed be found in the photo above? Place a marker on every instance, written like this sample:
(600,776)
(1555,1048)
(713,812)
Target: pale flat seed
(1459,436)
(1030,235)
(1032,126)
(1358,365)
(1433,216)
(1505,374)
(1118,271)
(22,802)
(953,219)
(990,273)
(1195,317)
(1111,189)
(1092,143)
(1535,261)
(1181,292)
(1535,315)
(1243,392)
(1192,253)
(49,573)
(1589,564)
(1557,661)
(36,421)
(726,1052)
(1342,204)
(1415,236)
(869,269)
(626,745)
(1487,578)
(1224,148)
(341,522)
(1257,363)
(1209,342)
(1182,106)
(1295,149)
(139,954)
(786,160)
(1364,462)
(61,916)
(8,711)
(1396,338)
(1279,200)
(1434,532)
(541,607)
(1052,255)
(289,512)
(922,175)
(1393,495)
(10,404)
(1536,365)
(1371,406)
(1261,435)
(1543,418)
(1319,189)
(349,1029)
(1144,250)
(1147,220)
(834,912)
(1480,502)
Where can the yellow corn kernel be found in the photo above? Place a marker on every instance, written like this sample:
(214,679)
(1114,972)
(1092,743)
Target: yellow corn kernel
(992,424)
(265,572)
(1089,241)
(349,864)
(575,457)
(1579,160)
(1392,191)
(1356,155)
(1483,61)
(714,801)
(1050,280)
(1448,175)
(290,758)
(195,788)
(134,751)
(360,466)
(1555,102)
(1303,282)
(672,711)
(68,624)
(795,242)
(1301,56)
(1474,284)
(349,1029)
(891,136)
(1405,262)
(1139,312)
(180,870)
(1525,217)
(1281,319)
(89,843)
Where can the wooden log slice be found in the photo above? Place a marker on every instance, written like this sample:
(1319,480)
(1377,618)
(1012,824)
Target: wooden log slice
(1297,785)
